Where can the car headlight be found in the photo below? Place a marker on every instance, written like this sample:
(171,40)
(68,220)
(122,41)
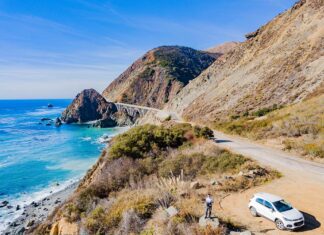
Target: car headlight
(287,219)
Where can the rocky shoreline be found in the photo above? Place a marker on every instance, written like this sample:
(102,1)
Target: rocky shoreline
(38,211)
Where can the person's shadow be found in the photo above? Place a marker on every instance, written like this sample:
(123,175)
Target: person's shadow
(311,223)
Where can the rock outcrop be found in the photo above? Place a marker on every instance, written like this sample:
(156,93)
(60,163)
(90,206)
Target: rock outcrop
(158,76)
(88,106)
(281,63)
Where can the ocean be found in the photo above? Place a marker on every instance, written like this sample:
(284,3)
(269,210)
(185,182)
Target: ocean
(37,158)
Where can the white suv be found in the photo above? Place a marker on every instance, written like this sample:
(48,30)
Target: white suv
(276,209)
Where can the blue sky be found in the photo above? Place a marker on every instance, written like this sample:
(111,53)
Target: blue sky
(56,48)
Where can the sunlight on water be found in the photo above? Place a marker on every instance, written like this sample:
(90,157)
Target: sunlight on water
(36,158)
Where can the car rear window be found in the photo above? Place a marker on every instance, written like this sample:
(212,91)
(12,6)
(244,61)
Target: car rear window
(259,200)
(268,204)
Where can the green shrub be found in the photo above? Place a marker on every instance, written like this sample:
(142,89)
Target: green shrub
(148,72)
(203,132)
(200,164)
(142,204)
(71,212)
(314,150)
(264,111)
(96,221)
(150,140)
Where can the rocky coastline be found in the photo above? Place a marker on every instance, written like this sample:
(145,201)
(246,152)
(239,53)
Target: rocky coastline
(38,211)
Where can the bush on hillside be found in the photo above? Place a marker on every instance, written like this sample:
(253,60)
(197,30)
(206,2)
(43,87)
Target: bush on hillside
(150,140)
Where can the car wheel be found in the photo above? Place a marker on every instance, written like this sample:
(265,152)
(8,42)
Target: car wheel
(253,211)
(280,225)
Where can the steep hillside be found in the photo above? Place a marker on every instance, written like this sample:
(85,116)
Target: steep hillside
(152,180)
(223,48)
(281,63)
(297,128)
(158,76)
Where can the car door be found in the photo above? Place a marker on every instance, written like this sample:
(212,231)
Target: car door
(259,206)
(268,210)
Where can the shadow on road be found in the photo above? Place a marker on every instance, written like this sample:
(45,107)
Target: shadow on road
(310,223)
(221,141)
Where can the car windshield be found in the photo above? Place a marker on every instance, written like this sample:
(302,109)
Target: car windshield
(282,206)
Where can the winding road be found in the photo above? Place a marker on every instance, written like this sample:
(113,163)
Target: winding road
(302,183)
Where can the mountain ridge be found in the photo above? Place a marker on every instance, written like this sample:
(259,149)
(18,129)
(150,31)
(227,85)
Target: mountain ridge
(282,63)
(157,76)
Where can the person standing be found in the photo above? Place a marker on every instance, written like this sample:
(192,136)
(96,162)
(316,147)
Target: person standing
(209,206)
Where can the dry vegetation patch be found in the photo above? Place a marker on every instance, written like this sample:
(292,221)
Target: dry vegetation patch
(151,168)
(299,127)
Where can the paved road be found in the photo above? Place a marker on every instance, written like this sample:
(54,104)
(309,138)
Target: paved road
(138,107)
(277,159)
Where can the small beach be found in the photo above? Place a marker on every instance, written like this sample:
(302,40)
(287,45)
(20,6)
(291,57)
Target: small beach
(38,211)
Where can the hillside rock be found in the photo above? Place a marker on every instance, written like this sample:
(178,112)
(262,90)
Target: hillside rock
(212,222)
(89,105)
(281,64)
(158,76)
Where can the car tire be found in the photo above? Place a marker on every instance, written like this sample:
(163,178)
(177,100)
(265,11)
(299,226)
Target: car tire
(279,224)
(253,211)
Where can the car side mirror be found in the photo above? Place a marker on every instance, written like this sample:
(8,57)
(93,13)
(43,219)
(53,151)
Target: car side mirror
(272,210)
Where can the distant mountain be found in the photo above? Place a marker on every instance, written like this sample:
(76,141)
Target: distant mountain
(158,76)
(223,48)
(281,63)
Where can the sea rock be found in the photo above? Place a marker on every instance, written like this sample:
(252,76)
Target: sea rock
(58,122)
(35,204)
(50,106)
(30,223)
(213,222)
(4,203)
(46,119)
(88,106)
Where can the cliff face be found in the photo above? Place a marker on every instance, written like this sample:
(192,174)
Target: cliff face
(280,63)
(158,76)
(87,106)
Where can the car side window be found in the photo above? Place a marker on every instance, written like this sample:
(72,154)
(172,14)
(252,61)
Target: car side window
(259,200)
(268,205)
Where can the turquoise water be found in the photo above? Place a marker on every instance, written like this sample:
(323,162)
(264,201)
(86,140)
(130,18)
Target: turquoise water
(36,159)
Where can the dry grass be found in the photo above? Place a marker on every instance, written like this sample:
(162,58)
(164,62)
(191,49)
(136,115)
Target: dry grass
(127,195)
(301,126)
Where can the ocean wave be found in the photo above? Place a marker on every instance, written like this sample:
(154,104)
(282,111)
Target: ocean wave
(73,164)
(7,120)
(44,112)
(86,138)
